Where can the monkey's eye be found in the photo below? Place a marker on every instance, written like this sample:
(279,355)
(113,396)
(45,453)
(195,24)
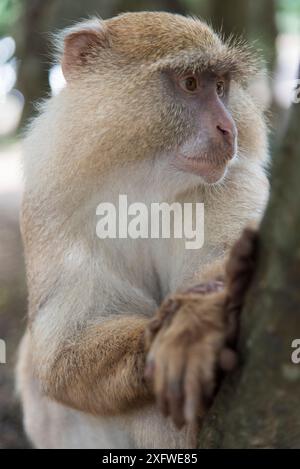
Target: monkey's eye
(220,87)
(189,84)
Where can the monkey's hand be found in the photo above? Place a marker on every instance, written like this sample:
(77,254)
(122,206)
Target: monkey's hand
(193,338)
(185,341)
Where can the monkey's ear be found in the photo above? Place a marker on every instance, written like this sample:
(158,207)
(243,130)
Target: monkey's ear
(81,44)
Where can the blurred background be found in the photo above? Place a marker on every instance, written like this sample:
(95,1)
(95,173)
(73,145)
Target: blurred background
(27,75)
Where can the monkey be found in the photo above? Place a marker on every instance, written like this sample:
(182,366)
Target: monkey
(125,336)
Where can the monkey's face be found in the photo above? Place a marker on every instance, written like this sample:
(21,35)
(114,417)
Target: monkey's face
(211,141)
(163,90)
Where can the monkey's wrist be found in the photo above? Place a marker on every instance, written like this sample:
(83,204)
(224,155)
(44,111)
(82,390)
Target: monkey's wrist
(204,288)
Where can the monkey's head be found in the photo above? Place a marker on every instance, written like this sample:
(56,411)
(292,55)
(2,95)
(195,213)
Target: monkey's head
(165,89)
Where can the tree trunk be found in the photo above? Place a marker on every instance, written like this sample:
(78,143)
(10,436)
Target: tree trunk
(33,43)
(258,406)
(32,50)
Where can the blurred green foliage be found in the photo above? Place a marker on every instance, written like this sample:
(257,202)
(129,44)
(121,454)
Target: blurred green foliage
(10,12)
(288,15)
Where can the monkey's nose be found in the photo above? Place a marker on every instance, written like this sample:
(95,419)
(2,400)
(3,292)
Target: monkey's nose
(228,133)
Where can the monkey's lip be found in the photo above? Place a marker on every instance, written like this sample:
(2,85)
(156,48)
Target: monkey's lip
(209,172)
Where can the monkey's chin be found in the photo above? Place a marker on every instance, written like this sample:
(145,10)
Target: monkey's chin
(208,172)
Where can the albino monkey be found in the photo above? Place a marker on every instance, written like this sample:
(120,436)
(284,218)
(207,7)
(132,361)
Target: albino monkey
(157,107)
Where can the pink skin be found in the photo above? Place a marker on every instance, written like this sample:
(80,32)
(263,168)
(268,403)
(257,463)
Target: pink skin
(214,143)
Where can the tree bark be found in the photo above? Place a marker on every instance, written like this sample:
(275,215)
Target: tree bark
(33,43)
(258,406)
(32,49)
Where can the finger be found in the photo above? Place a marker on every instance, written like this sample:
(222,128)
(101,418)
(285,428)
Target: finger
(199,383)
(192,386)
(151,331)
(232,326)
(160,386)
(162,319)
(243,248)
(175,387)
(239,286)
(192,395)
(228,359)
(168,310)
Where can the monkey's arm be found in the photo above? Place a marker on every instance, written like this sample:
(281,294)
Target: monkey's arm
(101,369)
(194,335)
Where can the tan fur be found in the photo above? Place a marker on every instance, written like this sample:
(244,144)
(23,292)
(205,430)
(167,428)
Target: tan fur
(111,131)
(90,356)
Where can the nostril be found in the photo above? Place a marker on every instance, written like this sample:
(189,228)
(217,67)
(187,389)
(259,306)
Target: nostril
(225,132)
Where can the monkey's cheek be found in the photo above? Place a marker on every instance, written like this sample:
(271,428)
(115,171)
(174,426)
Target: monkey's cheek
(208,172)
(214,176)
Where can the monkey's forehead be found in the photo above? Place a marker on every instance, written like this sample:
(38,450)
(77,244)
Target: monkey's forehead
(180,43)
(154,35)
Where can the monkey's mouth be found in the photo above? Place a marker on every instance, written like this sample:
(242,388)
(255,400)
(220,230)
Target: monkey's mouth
(210,172)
